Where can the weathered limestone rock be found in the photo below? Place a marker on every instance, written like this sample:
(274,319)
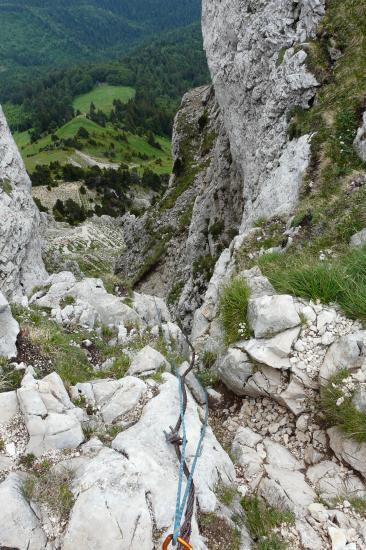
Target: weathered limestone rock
(292,484)
(151,309)
(122,495)
(52,421)
(148,360)
(348,352)
(294,396)
(358,239)
(270,315)
(21,264)
(258,284)
(9,330)
(234,369)
(360,144)
(350,451)
(332,482)
(113,398)
(19,526)
(259,77)
(273,352)
(9,406)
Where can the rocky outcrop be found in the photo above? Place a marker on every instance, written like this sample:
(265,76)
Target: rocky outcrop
(9,330)
(172,249)
(122,495)
(21,265)
(259,76)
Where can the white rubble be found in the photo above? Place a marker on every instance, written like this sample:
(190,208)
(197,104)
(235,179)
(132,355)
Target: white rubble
(9,330)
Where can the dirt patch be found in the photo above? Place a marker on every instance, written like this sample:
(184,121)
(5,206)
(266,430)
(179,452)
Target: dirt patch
(31,354)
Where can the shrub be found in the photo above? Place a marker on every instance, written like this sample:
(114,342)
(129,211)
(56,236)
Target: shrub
(344,415)
(233,309)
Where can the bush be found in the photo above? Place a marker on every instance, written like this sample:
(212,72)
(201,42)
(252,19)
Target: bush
(344,415)
(233,309)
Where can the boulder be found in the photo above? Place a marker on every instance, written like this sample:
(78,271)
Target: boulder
(125,399)
(148,360)
(294,397)
(234,369)
(9,406)
(331,482)
(359,143)
(348,450)
(358,239)
(151,309)
(348,352)
(52,421)
(9,330)
(273,352)
(20,527)
(270,315)
(258,284)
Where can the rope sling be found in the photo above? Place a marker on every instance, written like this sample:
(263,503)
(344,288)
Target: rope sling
(182,531)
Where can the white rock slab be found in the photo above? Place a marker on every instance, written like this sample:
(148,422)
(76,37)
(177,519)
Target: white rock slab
(270,315)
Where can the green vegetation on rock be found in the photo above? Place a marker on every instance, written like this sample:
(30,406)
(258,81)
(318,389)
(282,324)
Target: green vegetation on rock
(340,410)
(233,308)
(262,519)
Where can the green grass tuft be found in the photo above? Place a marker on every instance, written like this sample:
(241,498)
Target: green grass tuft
(233,309)
(350,420)
(261,519)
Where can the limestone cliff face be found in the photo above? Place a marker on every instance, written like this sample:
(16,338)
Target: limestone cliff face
(259,76)
(172,249)
(21,264)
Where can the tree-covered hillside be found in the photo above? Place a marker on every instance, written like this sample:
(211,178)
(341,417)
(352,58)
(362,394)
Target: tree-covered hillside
(41,33)
(160,72)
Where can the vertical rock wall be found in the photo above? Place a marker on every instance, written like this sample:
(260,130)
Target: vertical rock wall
(259,77)
(21,264)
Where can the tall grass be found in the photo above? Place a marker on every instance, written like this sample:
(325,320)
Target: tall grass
(341,280)
(233,309)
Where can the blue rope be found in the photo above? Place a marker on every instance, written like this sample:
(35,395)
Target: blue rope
(180,506)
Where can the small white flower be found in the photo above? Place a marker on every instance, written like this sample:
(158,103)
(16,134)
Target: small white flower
(340,401)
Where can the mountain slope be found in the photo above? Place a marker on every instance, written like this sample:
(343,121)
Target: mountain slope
(37,33)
